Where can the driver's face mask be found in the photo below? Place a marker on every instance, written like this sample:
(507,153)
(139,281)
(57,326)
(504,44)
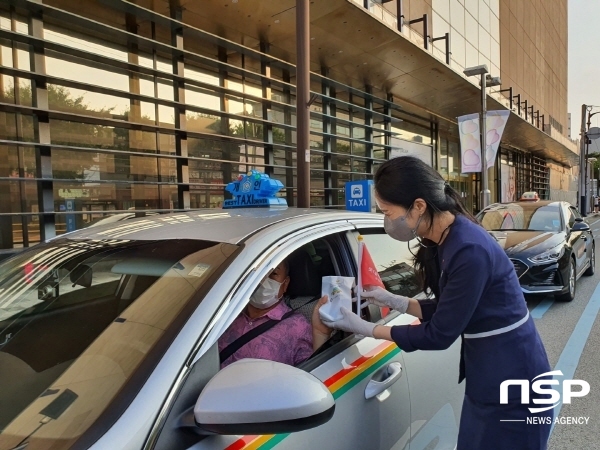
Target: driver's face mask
(266,295)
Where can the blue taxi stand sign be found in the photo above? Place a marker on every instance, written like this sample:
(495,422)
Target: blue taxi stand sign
(70,218)
(360,196)
(254,190)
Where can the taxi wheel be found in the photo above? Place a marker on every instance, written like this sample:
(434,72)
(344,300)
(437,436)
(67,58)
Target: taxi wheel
(571,284)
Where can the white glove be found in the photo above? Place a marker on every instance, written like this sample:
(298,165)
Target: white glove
(380,297)
(351,323)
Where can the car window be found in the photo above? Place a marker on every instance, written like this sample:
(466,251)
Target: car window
(306,268)
(394,262)
(572,217)
(77,321)
(521,216)
(575,213)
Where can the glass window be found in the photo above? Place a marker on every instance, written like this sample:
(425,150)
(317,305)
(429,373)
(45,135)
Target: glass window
(440,26)
(394,262)
(72,292)
(204,76)
(77,101)
(204,123)
(495,7)
(23,54)
(457,17)
(441,7)
(165,90)
(495,55)
(8,127)
(484,16)
(97,198)
(6,57)
(100,136)
(472,56)
(458,49)
(16,197)
(575,213)
(471,29)
(202,98)
(57,66)
(484,43)
(166,116)
(454,159)
(342,146)
(443,158)
(88,43)
(472,7)
(359,165)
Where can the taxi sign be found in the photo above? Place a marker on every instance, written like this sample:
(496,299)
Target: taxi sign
(254,190)
(359,196)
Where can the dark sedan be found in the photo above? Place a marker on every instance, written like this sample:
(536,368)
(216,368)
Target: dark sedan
(548,241)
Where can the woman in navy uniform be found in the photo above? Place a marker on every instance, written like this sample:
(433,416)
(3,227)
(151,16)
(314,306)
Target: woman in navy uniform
(477,298)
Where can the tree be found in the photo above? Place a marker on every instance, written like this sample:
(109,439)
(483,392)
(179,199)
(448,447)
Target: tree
(68,132)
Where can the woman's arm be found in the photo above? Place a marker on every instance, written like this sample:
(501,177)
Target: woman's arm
(414,308)
(383,332)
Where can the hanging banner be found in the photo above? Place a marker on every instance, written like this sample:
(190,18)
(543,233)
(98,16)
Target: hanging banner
(495,121)
(470,143)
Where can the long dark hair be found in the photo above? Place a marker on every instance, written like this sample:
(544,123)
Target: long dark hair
(400,181)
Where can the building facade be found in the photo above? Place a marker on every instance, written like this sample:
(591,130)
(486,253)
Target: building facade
(115,107)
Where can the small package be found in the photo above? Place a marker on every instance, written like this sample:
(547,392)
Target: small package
(339,293)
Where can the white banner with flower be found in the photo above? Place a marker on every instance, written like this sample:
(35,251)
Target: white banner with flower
(495,121)
(470,139)
(470,143)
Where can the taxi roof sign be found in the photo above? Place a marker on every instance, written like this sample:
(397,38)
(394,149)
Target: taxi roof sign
(254,190)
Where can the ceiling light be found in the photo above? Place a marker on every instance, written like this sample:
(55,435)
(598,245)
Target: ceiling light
(277,21)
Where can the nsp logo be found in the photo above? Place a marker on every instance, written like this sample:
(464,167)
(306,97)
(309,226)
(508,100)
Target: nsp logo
(538,387)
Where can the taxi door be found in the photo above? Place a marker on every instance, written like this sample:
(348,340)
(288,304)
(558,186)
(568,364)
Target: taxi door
(366,377)
(436,397)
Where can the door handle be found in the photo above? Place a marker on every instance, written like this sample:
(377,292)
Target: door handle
(392,373)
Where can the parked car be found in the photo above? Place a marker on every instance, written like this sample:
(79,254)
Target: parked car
(108,340)
(549,243)
(529,197)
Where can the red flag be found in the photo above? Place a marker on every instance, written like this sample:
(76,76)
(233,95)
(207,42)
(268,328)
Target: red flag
(369,276)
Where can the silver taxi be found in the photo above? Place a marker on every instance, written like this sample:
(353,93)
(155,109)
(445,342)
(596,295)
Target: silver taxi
(108,340)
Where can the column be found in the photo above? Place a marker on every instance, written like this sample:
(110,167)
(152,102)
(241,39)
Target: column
(181,144)
(41,125)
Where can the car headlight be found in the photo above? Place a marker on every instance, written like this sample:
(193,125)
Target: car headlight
(552,255)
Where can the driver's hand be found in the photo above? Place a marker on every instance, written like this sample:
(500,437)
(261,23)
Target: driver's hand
(317,323)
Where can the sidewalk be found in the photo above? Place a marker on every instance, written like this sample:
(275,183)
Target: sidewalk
(592,218)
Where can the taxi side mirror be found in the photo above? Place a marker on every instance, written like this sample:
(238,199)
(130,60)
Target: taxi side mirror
(255,396)
(580,226)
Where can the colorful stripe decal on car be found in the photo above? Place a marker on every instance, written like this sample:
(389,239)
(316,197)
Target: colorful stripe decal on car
(338,384)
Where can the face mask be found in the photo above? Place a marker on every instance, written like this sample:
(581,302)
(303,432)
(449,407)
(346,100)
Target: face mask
(266,295)
(398,228)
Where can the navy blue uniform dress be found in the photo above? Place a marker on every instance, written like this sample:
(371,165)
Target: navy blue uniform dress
(481,300)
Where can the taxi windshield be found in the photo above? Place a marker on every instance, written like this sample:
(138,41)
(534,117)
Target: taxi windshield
(77,320)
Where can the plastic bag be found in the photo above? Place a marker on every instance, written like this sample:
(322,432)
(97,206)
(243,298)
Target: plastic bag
(339,293)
